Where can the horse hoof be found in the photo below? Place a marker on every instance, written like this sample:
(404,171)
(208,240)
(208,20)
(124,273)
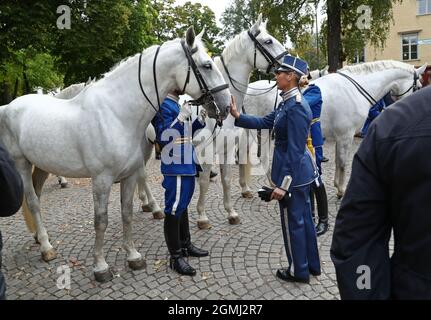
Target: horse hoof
(137,264)
(146,208)
(159,215)
(49,255)
(234,220)
(103,276)
(63,185)
(247,195)
(204,225)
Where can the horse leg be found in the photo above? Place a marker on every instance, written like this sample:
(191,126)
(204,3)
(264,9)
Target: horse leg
(245,168)
(128,187)
(342,154)
(101,189)
(149,204)
(204,183)
(39,177)
(62,182)
(32,204)
(226,177)
(337,166)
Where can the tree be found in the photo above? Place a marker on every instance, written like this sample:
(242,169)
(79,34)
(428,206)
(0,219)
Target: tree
(286,18)
(335,58)
(199,17)
(173,21)
(348,32)
(27,28)
(103,32)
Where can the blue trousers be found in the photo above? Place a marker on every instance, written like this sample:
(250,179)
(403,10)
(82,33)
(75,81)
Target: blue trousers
(319,158)
(299,233)
(178,193)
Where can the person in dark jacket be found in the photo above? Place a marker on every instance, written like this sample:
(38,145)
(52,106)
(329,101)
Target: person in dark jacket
(11,195)
(389,190)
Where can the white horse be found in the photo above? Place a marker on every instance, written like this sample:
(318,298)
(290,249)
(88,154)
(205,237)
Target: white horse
(68,93)
(344,109)
(241,56)
(98,134)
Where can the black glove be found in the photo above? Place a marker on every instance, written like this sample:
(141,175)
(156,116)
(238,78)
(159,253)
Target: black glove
(266,192)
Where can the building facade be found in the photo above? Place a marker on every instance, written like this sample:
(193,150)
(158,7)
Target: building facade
(409,39)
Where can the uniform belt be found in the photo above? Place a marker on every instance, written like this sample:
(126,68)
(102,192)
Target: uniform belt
(183,140)
(315,120)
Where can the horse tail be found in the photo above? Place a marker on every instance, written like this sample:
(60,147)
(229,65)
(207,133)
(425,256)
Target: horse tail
(39,177)
(28,217)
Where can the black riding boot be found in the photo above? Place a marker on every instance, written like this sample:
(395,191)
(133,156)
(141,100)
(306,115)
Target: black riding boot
(172,235)
(186,244)
(322,210)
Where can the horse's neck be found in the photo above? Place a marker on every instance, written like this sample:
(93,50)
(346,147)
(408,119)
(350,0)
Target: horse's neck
(121,91)
(240,70)
(378,84)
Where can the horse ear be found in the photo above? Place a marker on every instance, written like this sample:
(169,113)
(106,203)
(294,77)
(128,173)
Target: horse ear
(200,35)
(255,28)
(422,69)
(88,81)
(190,36)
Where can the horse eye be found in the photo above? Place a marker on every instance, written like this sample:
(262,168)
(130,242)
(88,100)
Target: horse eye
(268,41)
(208,66)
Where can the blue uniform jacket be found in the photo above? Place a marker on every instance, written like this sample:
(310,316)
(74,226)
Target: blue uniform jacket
(291,123)
(313,95)
(178,155)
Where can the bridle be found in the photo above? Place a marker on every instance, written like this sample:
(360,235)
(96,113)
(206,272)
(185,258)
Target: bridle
(206,98)
(414,86)
(369,97)
(273,61)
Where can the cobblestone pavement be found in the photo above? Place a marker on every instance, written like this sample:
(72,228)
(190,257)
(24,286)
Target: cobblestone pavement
(242,263)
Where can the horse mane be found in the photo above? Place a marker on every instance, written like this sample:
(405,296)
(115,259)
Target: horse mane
(236,46)
(72,88)
(126,62)
(375,66)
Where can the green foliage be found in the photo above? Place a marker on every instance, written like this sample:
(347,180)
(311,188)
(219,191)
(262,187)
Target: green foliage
(286,18)
(355,39)
(173,22)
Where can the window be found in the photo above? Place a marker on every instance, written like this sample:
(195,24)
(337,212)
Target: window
(360,56)
(424,7)
(410,46)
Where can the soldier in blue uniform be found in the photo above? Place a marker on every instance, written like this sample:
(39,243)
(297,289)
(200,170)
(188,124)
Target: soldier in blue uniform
(313,95)
(374,112)
(174,133)
(293,170)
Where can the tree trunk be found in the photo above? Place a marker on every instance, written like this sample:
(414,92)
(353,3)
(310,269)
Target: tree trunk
(334,35)
(15,90)
(6,97)
(26,83)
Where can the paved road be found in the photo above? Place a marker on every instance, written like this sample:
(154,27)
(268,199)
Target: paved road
(242,263)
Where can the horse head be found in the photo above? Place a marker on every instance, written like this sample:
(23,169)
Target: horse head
(266,53)
(204,81)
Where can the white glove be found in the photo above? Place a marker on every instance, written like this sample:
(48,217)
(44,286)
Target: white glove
(185,112)
(202,116)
